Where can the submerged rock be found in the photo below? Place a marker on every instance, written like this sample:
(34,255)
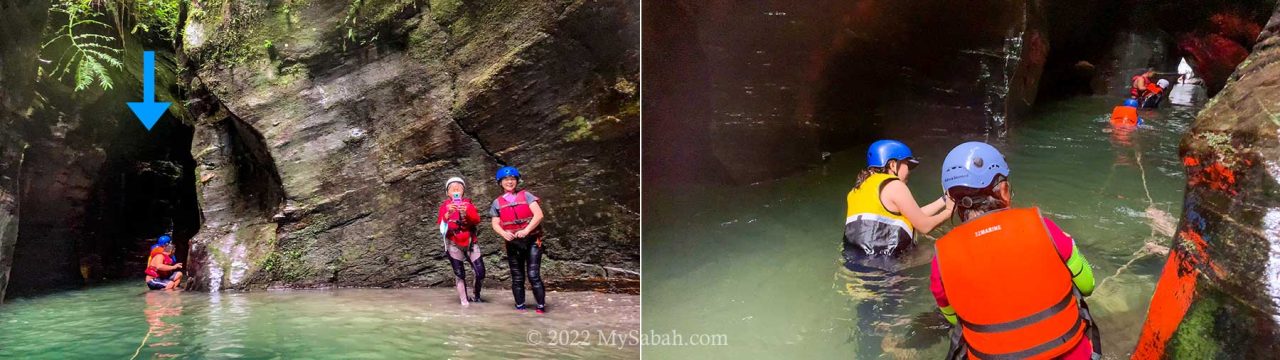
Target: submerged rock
(1219,293)
(325,133)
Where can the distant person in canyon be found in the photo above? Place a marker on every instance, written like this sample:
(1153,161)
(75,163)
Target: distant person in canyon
(458,219)
(162,272)
(1126,115)
(517,217)
(1185,74)
(1155,94)
(882,216)
(1139,83)
(1000,251)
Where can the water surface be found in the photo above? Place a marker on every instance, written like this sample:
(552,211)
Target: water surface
(126,321)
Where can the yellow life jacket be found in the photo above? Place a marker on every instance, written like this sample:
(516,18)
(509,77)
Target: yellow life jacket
(870,226)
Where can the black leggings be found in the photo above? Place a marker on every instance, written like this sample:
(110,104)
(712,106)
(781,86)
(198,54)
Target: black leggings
(526,260)
(477,264)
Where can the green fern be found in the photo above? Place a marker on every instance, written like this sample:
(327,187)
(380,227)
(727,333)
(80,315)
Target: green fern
(86,56)
(353,13)
(158,16)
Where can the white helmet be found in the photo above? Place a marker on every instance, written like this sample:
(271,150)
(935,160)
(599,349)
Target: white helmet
(1163,84)
(452,180)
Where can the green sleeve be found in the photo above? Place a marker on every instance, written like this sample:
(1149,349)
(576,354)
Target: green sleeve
(1081,272)
(948,313)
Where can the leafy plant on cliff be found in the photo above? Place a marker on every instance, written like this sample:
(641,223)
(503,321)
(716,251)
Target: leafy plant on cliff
(160,15)
(85,55)
(86,46)
(353,11)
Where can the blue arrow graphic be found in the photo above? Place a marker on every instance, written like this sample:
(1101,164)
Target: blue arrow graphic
(148,111)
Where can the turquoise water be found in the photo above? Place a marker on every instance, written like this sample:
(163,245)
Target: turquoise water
(125,321)
(761,264)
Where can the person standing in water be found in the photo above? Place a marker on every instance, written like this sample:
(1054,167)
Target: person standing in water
(162,272)
(517,217)
(882,216)
(1126,115)
(458,219)
(1010,278)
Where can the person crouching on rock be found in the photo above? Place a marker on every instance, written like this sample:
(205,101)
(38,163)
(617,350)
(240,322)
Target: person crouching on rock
(458,219)
(162,271)
(516,216)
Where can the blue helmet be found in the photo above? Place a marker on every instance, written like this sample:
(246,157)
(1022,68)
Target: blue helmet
(163,239)
(880,152)
(1133,103)
(973,165)
(506,171)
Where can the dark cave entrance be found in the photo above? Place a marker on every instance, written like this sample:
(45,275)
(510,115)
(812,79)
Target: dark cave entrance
(95,199)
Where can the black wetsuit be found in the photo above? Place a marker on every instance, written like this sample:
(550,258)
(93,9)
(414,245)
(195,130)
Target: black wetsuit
(524,256)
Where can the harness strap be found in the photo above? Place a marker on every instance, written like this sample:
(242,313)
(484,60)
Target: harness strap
(1024,321)
(1046,346)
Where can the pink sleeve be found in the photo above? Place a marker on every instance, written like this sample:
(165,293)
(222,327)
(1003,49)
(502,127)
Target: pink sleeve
(935,284)
(1061,240)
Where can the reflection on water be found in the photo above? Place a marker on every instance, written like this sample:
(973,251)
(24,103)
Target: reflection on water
(762,264)
(123,321)
(164,333)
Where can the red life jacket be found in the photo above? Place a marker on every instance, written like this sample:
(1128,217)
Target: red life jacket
(155,250)
(152,271)
(460,235)
(516,214)
(1135,91)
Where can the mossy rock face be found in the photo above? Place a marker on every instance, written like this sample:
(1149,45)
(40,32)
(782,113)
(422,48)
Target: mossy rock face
(353,113)
(11,156)
(1227,240)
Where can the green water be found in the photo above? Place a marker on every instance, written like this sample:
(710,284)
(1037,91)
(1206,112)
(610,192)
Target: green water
(117,321)
(761,264)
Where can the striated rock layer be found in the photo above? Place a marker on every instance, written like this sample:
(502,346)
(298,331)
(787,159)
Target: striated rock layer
(325,131)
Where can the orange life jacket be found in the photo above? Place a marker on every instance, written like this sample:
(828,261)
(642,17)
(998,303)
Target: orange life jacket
(1153,88)
(516,214)
(1010,289)
(1124,116)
